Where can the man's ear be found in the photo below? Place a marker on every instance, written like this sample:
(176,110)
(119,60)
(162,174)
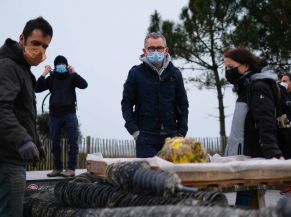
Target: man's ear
(166,50)
(144,51)
(21,40)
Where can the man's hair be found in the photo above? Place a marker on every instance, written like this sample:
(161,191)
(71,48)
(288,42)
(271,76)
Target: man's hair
(287,74)
(155,35)
(245,56)
(37,23)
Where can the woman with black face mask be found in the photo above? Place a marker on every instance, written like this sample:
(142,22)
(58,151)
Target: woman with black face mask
(253,130)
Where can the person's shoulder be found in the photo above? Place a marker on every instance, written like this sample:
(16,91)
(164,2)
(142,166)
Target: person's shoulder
(136,69)
(174,69)
(263,83)
(10,67)
(4,62)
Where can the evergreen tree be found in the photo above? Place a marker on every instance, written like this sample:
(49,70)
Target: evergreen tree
(266,27)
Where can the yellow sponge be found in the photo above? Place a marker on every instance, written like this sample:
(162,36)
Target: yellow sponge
(183,150)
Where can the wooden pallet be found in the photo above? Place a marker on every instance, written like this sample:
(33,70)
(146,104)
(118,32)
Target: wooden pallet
(224,181)
(191,176)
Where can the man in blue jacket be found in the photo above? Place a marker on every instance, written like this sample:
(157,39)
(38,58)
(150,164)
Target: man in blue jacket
(154,103)
(61,84)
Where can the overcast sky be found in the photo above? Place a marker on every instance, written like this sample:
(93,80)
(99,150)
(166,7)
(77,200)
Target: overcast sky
(103,40)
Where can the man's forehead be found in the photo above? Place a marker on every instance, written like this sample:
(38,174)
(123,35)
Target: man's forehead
(38,35)
(286,78)
(155,42)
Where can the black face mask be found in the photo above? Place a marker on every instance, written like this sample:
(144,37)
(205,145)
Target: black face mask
(232,75)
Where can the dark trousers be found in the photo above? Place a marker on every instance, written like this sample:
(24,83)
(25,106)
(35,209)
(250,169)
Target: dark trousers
(148,145)
(12,187)
(244,199)
(70,122)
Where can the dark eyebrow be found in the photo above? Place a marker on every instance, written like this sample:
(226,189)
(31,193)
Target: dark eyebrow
(38,43)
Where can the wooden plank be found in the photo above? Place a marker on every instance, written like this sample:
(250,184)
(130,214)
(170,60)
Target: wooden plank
(258,201)
(209,176)
(251,179)
(240,184)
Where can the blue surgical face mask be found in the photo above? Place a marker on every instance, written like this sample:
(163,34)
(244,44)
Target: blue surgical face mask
(155,57)
(61,69)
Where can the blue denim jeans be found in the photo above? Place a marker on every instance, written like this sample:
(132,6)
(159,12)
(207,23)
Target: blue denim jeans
(12,187)
(148,145)
(70,122)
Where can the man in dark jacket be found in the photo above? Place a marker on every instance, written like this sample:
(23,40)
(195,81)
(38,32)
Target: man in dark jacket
(61,84)
(154,104)
(286,83)
(286,78)
(19,143)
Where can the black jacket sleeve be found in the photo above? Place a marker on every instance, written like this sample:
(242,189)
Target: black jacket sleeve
(78,81)
(11,132)
(128,101)
(183,105)
(263,108)
(42,84)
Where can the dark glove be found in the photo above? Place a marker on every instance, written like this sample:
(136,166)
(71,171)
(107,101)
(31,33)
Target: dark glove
(42,152)
(29,152)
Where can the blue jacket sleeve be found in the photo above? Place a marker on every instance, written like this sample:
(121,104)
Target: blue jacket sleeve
(128,101)
(182,106)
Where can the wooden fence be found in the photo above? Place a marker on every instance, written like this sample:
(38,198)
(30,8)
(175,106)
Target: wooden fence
(111,148)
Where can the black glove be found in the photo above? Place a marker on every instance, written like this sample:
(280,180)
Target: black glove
(29,152)
(42,152)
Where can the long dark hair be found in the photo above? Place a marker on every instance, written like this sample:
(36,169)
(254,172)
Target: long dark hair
(245,56)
